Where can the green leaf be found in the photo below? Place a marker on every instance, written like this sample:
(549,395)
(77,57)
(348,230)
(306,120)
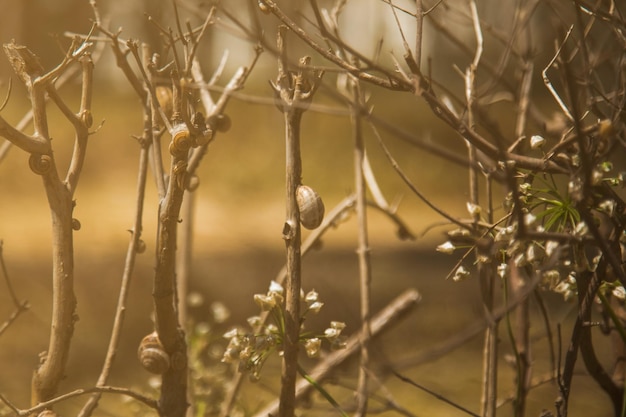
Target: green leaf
(321,390)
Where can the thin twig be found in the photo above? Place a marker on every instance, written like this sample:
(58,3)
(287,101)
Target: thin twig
(292,88)
(433,393)
(77,393)
(548,83)
(20,306)
(134,247)
(365,273)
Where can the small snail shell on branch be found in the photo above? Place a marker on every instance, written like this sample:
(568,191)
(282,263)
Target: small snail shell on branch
(164,97)
(181,139)
(311,207)
(219,122)
(152,355)
(263,7)
(86,118)
(40,164)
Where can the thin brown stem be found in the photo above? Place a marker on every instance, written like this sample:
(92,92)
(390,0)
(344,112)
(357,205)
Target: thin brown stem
(135,246)
(363,251)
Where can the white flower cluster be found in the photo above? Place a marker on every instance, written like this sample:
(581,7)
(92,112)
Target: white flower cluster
(250,348)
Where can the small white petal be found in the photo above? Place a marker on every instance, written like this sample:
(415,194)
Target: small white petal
(524,188)
(551,246)
(460,274)
(447,247)
(473,209)
(502,270)
(339,325)
(529,219)
(276,287)
(619,293)
(231,333)
(311,297)
(316,306)
(312,347)
(537,141)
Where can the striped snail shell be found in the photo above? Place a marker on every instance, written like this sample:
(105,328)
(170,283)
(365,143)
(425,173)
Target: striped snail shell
(152,355)
(311,207)
(181,139)
(40,164)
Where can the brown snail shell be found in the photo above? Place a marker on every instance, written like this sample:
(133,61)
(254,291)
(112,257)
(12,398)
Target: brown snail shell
(181,139)
(263,7)
(86,118)
(220,122)
(141,246)
(152,355)
(165,98)
(311,207)
(40,164)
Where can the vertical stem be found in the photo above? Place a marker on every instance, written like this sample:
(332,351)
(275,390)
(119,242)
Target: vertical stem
(50,373)
(173,399)
(183,272)
(419,25)
(522,340)
(485,271)
(291,234)
(295,92)
(120,312)
(363,254)
(522,315)
(183,262)
(490,347)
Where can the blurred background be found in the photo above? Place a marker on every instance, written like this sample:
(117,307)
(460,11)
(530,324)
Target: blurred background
(239,207)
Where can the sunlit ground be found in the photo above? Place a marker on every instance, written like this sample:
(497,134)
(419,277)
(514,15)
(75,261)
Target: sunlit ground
(238,216)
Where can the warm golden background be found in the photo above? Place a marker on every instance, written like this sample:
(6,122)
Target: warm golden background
(238,216)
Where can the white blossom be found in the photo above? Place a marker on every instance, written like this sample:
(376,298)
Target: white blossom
(460,274)
(447,248)
(312,347)
(619,292)
(537,142)
(473,209)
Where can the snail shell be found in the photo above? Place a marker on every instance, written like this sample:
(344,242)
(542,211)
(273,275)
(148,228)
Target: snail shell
(40,164)
(311,207)
(165,98)
(86,118)
(181,139)
(141,246)
(152,355)
(263,7)
(220,122)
